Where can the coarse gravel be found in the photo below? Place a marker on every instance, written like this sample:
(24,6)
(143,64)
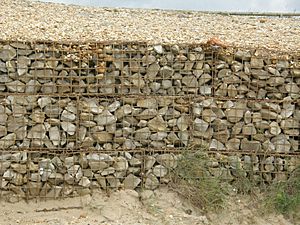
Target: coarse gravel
(26,20)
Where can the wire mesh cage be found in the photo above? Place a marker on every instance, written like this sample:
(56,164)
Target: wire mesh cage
(85,116)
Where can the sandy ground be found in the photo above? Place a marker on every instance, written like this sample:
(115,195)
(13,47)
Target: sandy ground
(28,20)
(130,208)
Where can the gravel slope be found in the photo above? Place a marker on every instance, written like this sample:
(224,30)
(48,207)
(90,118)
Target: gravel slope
(27,20)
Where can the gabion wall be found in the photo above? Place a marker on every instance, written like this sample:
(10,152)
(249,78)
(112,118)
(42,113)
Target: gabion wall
(78,117)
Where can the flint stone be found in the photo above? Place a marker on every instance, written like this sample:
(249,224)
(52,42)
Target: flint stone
(152,71)
(67,116)
(68,127)
(131,182)
(37,132)
(222,135)
(52,111)
(250,145)
(249,129)
(3,131)
(7,141)
(282,64)
(158,49)
(7,53)
(105,118)
(54,193)
(16,86)
(281,143)
(169,161)
(166,72)
(268,115)
(120,164)
(103,137)
(157,124)
(137,80)
(147,103)
(108,171)
(54,135)
(84,182)
(233,144)
(293,89)
(183,122)
(208,115)
(290,123)
(19,168)
(200,125)
(149,162)
(151,182)
(275,128)
(34,188)
(160,171)
(235,114)
(243,55)
(216,145)
(113,182)
(44,101)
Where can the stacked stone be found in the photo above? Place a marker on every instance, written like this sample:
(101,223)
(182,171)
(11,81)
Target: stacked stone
(60,175)
(152,70)
(52,176)
(99,98)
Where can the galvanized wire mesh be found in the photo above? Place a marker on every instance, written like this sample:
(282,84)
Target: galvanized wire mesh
(79,117)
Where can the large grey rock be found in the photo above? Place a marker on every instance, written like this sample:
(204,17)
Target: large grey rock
(37,132)
(67,116)
(151,182)
(120,164)
(281,143)
(149,162)
(54,135)
(147,103)
(102,137)
(152,71)
(200,125)
(167,160)
(216,145)
(293,90)
(247,145)
(7,141)
(157,124)
(166,72)
(236,113)
(7,53)
(249,129)
(275,128)
(131,181)
(208,115)
(105,118)
(160,171)
(233,144)
(183,122)
(68,127)
(16,86)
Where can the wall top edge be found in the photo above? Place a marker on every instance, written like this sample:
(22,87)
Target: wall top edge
(212,45)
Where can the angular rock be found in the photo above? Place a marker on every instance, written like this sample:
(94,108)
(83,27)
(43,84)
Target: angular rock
(160,171)
(7,141)
(247,145)
(169,161)
(68,127)
(102,137)
(105,118)
(183,122)
(151,182)
(131,181)
(157,124)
